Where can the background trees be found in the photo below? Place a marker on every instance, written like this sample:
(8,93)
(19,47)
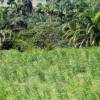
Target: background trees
(76,22)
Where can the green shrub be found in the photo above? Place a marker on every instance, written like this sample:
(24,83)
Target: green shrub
(49,47)
(48,33)
(20,45)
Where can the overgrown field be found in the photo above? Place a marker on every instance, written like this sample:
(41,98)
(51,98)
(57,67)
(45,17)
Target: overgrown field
(60,74)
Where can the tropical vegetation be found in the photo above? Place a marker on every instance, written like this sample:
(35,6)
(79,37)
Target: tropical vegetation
(50,51)
(58,23)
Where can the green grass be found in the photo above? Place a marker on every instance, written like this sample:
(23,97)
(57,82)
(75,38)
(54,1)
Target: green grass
(60,74)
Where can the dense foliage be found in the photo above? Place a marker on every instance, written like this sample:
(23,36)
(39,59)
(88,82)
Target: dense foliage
(58,23)
(47,70)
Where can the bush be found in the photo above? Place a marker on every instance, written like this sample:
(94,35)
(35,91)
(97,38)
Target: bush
(48,33)
(20,45)
(43,34)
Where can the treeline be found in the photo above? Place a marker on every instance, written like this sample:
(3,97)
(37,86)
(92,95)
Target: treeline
(58,23)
